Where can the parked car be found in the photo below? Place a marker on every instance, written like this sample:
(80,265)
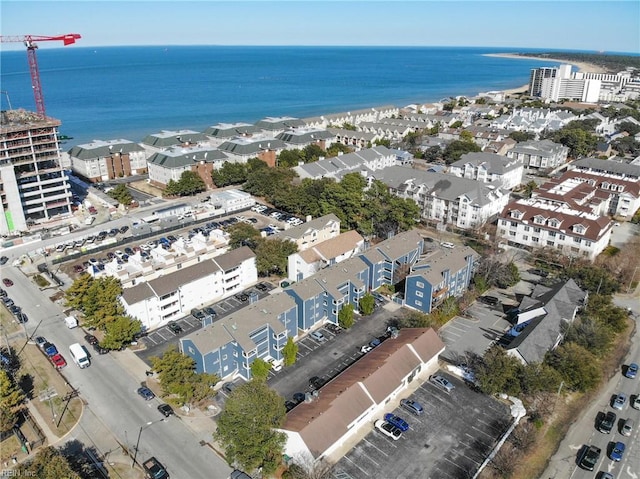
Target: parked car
(635,404)
(40,342)
(165,410)
(58,361)
(412,406)
(619,401)
(124,229)
(539,272)
(632,371)
(318,336)
(627,427)
(490,300)
(388,429)
(442,382)
(50,349)
(196,313)
(316,382)
(3,260)
(289,405)
(618,451)
(298,397)
(91,339)
(590,457)
(210,311)
(365,349)
(607,422)
(174,327)
(446,244)
(146,393)
(261,287)
(99,349)
(7,282)
(397,421)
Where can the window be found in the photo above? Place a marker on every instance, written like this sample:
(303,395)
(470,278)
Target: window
(419,284)
(526,228)
(418,303)
(535,239)
(577,240)
(419,294)
(550,243)
(525,238)
(224,356)
(536,230)
(552,234)
(512,233)
(561,238)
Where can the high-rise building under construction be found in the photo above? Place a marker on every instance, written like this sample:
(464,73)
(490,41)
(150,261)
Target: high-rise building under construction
(34,189)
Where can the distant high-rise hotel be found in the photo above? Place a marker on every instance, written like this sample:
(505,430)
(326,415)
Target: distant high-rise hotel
(33,186)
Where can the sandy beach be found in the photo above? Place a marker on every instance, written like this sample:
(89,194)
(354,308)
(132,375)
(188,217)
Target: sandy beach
(581,66)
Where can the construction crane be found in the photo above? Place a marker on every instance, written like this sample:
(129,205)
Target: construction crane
(30,42)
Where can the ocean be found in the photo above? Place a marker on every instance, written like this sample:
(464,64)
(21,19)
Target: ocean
(130,92)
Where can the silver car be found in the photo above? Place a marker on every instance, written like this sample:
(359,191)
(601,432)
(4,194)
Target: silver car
(627,427)
(442,382)
(620,401)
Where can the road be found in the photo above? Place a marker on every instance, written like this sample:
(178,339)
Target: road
(563,464)
(109,392)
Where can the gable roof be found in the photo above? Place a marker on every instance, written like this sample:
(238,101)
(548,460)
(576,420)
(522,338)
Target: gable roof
(101,149)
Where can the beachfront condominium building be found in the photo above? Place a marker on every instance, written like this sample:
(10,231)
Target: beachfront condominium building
(34,188)
(558,83)
(489,168)
(107,160)
(169,164)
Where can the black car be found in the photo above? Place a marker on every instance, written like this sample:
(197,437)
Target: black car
(114,231)
(166,410)
(210,311)
(196,313)
(124,229)
(91,339)
(174,327)
(21,318)
(607,422)
(3,293)
(261,287)
(99,349)
(298,397)
(289,405)
(242,297)
(539,272)
(316,382)
(3,260)
(590,457)
(490,300)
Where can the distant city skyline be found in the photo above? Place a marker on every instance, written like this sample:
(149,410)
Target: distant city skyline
(610,26)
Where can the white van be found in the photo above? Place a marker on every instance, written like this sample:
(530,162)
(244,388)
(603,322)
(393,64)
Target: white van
(79,355)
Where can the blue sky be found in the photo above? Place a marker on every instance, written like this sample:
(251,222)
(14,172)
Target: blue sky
(612,26)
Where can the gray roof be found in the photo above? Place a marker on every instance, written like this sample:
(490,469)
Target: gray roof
(560,303)
(238,326)
(295,137)
(234,257)
(279,123)
(230,130)
(433,266)
(362,135)
(251,146)
(349,161)
(165,139)
(179,157)
(608,166)
(543,146)
(444,186)
(102,149)
(297,232)
(400,244)
(495,164)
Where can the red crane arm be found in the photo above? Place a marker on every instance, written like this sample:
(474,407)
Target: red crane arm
(30,43)
(68,39)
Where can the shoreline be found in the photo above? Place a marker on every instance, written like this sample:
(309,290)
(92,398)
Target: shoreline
(581,66)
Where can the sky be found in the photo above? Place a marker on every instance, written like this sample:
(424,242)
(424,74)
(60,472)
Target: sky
(609,26)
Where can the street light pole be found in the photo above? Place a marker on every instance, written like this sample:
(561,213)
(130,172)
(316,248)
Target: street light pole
(149,424)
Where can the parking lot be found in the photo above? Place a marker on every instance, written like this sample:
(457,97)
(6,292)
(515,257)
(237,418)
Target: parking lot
(326,359)
(157,341)
(450,439)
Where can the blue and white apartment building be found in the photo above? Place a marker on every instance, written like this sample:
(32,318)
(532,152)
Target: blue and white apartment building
(229,346)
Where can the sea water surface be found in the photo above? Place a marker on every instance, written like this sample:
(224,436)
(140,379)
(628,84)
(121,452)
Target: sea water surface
(130,92)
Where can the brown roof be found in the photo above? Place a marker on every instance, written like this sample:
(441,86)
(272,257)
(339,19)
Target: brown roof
(171,282)
(137,293)
(342,243)
(368,381)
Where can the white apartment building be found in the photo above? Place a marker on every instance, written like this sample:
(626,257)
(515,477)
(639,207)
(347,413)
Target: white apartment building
(542,223)
(489,168)
(222,132)
(173,295)
(232,200)
(542,155)
(370,159)
(35,189)
(107,160)
(446,199)
(312,232)
(169,164)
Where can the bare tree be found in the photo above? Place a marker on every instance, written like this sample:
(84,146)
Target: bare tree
(306,467)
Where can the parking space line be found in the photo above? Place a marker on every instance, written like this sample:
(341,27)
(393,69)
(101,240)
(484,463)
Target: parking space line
(355,464)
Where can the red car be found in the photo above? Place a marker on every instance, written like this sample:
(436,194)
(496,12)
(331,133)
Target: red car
(7,282)
(58,361)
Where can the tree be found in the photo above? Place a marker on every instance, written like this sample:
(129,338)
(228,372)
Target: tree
(336,148)
(457,148)
(290,158)
(177,373)
(246,427)
(312,153)
(77,294)
(272,256)
(433,153)
(383,142)
(530,187)
(521,136)
(121,194)
(579,141)
(48,463)
(120,331)
(243,234)
(456,124)
(498,372)
(630,127)
(260,369)
(189,184)
(367,304)
(290,352)
(230,174)
(11,402)
(579,368)
(345,316)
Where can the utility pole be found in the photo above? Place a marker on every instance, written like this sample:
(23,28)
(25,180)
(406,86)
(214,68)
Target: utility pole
(68,397)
